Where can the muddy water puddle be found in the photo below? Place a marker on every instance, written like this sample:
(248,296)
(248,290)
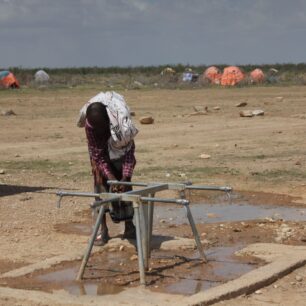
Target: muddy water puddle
(229,212)
(222,267)
(178,272)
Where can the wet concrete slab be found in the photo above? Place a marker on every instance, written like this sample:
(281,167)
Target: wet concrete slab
(112,272)
(281,260)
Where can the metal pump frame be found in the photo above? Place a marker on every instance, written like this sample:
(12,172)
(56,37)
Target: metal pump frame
(143,203)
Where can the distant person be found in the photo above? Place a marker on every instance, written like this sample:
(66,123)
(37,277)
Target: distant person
(110,133)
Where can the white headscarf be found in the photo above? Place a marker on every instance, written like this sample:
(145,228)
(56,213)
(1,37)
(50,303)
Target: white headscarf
(122,128)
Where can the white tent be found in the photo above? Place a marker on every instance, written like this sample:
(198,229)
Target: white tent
(41,76)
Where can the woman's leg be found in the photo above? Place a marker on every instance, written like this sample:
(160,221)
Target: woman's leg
(100,186)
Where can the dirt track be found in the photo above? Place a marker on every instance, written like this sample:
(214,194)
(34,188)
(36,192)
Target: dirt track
(42,150)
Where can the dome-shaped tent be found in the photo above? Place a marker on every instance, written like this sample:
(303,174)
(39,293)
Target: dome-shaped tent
(8,80)
(231,76)
(257,76)
(41,76)
(212,74)
(168,71)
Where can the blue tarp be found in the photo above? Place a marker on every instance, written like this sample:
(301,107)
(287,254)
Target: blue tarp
(3,74)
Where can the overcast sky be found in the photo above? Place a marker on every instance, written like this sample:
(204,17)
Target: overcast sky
(74,33)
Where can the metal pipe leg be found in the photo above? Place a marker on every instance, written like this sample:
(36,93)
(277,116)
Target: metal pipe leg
(150,224)
(139,246)
(195,232)
(143,209)
(90,244)
(95,210)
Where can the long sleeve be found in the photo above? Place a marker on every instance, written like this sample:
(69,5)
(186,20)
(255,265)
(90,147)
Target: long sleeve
(98,151)
(129,162)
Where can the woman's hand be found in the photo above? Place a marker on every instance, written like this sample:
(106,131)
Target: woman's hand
(123,188)
(113,188)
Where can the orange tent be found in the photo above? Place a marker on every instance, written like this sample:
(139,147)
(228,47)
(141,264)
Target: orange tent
(212,74)
(231,76)
(257,76)
(8,80)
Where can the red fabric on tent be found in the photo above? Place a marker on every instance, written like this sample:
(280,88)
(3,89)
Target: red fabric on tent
(231,76)
(212,74)
(9,81)
(257,75)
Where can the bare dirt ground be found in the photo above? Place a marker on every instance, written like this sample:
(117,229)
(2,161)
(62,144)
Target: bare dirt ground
(263,158)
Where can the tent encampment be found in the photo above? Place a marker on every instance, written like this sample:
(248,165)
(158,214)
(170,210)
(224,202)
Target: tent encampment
(41,76)
(257,76)
(231,76)
(8,80)
(212,74)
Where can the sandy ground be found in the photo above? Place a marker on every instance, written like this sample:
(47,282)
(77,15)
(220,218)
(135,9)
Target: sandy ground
(42,150)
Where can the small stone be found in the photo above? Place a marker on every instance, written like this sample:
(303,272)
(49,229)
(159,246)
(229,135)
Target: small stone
(299,278)
(198,113)
(298,163)
(258,112)
(205,241)
(168,174)
(237,230)
(133,114)
(138,84)
(17,155)
(205,156)
(199,108)
(258,292)
(182,174)
(269,219)
(279,99)
(2,171)
(146,120)
(9,112)
(162,221)
(246,113)
(275,286)
(216,108)
(134,257)
(121,248)
(241,104)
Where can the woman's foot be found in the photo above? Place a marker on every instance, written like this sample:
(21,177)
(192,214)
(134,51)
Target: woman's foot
(102,238)
(130,230)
